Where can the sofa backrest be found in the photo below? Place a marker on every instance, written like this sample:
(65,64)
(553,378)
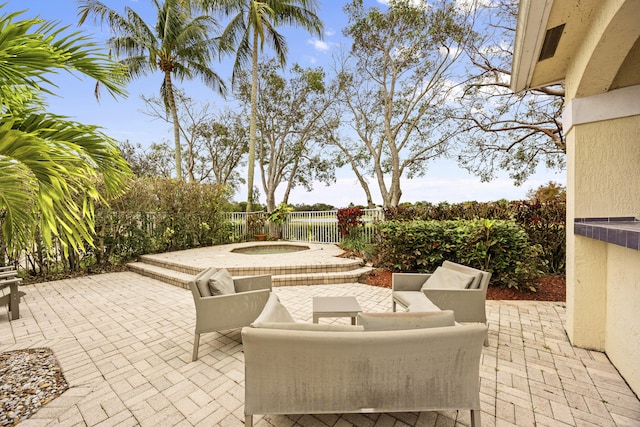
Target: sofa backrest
(306,372)
(481,278)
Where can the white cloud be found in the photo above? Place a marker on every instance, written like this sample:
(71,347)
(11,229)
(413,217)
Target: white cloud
(311,59)
(329,33)
(320,45)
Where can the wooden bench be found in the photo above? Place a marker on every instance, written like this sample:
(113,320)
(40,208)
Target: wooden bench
(9,279)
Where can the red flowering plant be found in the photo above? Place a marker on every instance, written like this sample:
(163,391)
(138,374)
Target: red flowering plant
(349,219)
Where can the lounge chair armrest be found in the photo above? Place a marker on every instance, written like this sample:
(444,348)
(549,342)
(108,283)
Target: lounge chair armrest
(252,283)
(229,311)
(467,304)
(408,281)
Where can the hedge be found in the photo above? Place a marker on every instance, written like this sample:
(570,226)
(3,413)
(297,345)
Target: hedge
(498,246)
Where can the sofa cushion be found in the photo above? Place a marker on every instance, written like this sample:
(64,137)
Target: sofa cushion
(406,320)
(477,274)
(443,278)
(477,279)
(304,326)
(221,283)
(202,281)
(415,299)
(273,312)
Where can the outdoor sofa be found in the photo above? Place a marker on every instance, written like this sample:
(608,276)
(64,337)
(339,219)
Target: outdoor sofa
(452,286)
(223,302)
(389,362)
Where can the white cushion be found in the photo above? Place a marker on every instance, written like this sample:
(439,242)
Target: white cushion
(414,301)
(406,320)
(221,283)
(273,311)
(443,278)
(202,281)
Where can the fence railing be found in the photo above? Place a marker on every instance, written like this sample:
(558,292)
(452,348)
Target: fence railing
(308,226)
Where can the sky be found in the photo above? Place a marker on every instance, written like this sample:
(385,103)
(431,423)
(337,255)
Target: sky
(124,118)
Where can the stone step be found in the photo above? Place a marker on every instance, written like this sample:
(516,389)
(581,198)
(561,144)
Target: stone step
(343,265)
(173,277)
(181,279)
(332,278)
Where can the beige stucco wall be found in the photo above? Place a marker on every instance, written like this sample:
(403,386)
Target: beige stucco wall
(606,163)
(603,280)
(622,339)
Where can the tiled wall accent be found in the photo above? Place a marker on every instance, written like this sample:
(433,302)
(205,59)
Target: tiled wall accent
(622,231)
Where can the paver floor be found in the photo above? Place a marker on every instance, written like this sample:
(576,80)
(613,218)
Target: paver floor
(124,342)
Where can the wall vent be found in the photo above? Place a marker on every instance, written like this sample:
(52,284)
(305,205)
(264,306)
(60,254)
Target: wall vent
(551,40)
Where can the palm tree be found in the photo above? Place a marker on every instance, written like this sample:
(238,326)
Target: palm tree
(253,23)
(180,47)
(49,165)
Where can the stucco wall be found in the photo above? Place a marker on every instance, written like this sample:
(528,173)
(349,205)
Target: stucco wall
(603,280)
(607,168)
(622,339)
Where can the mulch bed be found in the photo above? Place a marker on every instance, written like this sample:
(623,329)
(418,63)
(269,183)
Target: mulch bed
(551,288)
(29,379)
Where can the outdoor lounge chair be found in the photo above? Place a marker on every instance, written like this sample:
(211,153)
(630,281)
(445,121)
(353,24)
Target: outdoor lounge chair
(9,293)
(468,304)
(238,307)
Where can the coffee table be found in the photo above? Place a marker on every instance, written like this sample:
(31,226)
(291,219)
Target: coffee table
(335,307)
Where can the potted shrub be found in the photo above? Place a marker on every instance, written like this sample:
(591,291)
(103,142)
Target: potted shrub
(278,216)
(255,225)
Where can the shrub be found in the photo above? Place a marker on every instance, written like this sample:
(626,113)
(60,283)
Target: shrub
(498,246)
(544,223)
(349,219)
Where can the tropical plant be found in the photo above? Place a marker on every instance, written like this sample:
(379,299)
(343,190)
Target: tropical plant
(179,47)
(49,165)
(253,23)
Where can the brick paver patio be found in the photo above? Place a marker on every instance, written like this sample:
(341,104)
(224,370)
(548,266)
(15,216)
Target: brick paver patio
(124,342)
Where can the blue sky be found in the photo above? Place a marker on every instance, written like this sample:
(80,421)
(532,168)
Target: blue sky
(123,119)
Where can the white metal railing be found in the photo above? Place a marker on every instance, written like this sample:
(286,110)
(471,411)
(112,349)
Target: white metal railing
(308,226)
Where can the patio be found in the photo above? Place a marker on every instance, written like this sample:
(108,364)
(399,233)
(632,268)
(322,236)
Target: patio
(124,343)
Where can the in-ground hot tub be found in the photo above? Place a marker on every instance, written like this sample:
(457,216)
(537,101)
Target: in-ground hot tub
(270,249)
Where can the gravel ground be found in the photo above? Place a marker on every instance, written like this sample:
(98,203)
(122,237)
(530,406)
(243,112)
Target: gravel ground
(28,380)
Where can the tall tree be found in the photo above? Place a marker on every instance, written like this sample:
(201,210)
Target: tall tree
(49,165)
(499,129)
(397,80)
(178,45)
(215,142)
(292,127)
(254,22)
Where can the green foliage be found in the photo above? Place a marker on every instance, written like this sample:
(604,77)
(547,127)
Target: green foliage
(293,122)
(359,244)
(314,207)
(48,163)
(498,246)
(544,223)
(552,191)
(395,82)
(177,44)
(279,214)
(155,215)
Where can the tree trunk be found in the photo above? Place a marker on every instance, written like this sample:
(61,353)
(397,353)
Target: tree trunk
(176,124)
(252,121)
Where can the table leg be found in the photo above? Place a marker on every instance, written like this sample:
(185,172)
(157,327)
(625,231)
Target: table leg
(14,305)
